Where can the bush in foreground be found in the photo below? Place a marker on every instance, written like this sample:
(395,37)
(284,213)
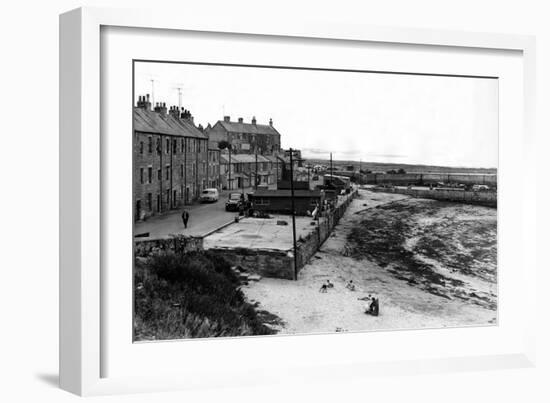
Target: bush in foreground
(191,295)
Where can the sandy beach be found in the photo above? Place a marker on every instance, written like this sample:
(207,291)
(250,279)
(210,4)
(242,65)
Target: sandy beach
(437,268)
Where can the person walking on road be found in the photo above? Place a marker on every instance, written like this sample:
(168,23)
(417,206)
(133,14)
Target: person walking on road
(185,217)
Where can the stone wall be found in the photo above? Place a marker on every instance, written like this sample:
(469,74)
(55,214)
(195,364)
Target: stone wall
(461,196)
(427,178)
(308,246)
(265,262)
(177,244)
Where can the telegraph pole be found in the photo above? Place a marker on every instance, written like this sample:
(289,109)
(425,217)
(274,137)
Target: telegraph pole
(293,216)
(230,183)
(331,171)
(256,178)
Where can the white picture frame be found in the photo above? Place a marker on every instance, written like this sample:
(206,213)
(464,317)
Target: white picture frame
(82,170)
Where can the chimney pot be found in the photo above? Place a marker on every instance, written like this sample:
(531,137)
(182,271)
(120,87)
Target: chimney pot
(240,120)
(226,119)
(254,120)
(270,122)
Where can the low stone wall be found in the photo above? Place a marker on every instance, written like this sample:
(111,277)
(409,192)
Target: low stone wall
(265,262)
(461,196)
(177,244)
(308,246)
(427,178)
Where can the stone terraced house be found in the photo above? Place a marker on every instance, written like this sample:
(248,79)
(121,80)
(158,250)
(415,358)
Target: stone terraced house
(171,159)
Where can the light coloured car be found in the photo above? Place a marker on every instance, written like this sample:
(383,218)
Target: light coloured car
(478,188)
(209,195)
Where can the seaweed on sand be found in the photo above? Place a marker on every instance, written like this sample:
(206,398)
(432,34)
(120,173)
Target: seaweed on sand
(382,235)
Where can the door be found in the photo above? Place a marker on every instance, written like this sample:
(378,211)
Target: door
(138,210)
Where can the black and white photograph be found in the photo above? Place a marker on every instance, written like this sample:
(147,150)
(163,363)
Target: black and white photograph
(280,200)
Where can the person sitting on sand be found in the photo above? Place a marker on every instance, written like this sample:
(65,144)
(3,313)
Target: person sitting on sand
(350,286)
(329,284)
(373,308)
(376,308)
(323,288)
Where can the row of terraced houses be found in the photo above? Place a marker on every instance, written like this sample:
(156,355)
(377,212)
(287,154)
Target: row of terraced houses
(175,160)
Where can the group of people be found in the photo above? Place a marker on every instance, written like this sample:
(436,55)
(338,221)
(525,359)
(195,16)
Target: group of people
(373,306)
(326,286)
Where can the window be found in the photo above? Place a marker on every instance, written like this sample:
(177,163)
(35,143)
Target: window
(183,145)
(150,145)
(141,147)
(150,174)
(261,201)
(150,201)
(167,146)
(141,175)
(167,172)
(159,146)
(159,175)
(174,146)
(181,170)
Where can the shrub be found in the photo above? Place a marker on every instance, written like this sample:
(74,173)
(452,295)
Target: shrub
(191,295)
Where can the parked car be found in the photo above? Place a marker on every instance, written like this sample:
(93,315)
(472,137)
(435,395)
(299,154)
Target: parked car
(209,195)
(477,188)
(234,202)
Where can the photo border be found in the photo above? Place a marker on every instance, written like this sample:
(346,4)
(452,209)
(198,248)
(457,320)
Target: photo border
(81,171)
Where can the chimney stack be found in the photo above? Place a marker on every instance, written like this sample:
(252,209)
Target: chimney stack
(270,122)
(143,102)
(174,112)
(160,107)
(253,120)
(240,120)
(226,119)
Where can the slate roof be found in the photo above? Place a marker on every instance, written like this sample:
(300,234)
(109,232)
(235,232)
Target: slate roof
(242,158)
(286,193)
(236,127)
(147,121)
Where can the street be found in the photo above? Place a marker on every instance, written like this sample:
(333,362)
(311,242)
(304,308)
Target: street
(203,218)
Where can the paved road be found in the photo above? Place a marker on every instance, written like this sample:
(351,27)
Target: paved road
(203,218)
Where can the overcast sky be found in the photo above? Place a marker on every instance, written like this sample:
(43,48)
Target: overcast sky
(393,118)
